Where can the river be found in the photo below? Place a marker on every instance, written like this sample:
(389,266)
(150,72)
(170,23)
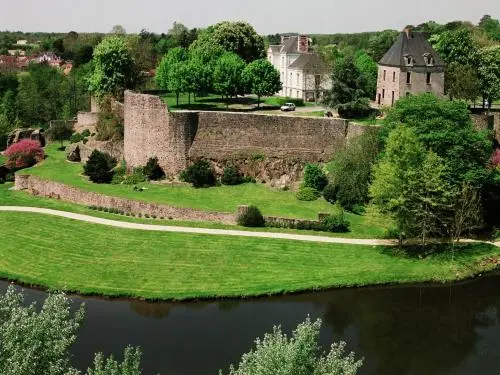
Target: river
(414,330)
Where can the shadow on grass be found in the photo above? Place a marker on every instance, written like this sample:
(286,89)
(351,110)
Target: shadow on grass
(460,252)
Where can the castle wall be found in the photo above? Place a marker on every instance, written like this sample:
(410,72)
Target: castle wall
(176,138)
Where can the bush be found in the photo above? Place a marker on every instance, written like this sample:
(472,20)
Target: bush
(80,137)
(231,176)
(308,194)
(23,154)
(200,174)
(152,170)
(330,193)
(355,110)
(336,221)
(314,177)
(251,217)
(358,209)
(99,167)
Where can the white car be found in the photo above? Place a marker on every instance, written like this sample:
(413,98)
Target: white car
(288,107)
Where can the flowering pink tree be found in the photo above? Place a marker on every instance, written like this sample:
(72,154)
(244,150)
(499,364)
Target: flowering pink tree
(23,154)
(495,158)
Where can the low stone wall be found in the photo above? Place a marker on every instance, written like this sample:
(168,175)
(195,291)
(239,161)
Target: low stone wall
(37,186)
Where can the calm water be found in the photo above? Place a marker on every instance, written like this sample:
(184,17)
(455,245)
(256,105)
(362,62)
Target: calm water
(399,330)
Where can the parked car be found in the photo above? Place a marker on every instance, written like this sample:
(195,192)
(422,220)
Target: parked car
(288,107)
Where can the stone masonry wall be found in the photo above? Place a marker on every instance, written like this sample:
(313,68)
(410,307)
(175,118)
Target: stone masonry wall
(178,137)
(37,186)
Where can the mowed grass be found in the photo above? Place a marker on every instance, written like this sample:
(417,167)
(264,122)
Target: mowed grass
(64,254)
(272,202)
(369,226)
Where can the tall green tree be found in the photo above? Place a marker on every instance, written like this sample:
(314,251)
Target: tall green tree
(261,79)
(369,69)
(456,46)
(300,354)
(489,73)
(379,43)
(490,26)
(228,75)
(409,184)
(462,82)
(238,37)
(172,72)
(114,69)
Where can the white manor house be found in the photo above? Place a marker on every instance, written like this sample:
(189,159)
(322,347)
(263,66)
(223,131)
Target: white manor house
(303,73)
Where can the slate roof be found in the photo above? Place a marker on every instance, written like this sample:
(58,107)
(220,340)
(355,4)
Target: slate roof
(291,45)
(309,61)
(414,45)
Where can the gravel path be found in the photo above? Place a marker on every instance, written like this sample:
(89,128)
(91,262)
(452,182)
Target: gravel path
(219,232)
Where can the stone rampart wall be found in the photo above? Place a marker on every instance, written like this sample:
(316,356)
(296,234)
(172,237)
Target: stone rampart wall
(37,186)
(176,138)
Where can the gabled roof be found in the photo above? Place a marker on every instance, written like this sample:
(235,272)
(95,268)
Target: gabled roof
(290,45)
(309,61)
(275,48)
(410,44)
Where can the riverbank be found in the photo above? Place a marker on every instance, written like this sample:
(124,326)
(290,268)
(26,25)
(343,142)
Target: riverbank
(85,258)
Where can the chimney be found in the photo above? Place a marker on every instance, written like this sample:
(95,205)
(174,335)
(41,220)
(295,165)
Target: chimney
(284,38)
(303,43)
(408,31)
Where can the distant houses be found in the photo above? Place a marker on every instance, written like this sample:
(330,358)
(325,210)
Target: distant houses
(21,62)
(303,73)
(410,66)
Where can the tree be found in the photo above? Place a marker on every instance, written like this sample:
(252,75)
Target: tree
(113,68)
(461,82)
(490,26)
(99,167)
(348,93)
(228,75)
(60,131)
(278,354)
(261,79)
(409,184)
(118,30)
(237,37)
(456,46)
(314,177)
(489,73)
(379,43)
(83,55)
(9,106)
(369,70)
(466,213)
(109,366)
(24,154)
(172,71)
(445,127)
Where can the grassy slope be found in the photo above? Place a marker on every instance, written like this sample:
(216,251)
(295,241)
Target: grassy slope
(369,226)
(74,256)
(221,198)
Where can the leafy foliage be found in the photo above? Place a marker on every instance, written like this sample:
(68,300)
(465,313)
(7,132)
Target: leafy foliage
(261,78)
(489,72)
(200,174)
(24,154)
(113,68)
(369,69)
(308,194)
(379,43)
(315,177)
(60,131)
(231,176)
(152,170)
(251,217)
(227,74)
(99,167)
(336,221)
(109,366)
(461,82)
(278,354)
(330,193)
(456,46)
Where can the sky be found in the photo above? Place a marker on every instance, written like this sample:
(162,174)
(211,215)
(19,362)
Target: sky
(267,16)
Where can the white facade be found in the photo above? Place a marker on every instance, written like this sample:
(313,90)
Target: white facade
(303,74)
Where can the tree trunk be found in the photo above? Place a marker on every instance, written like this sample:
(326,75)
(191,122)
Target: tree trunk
(189,98)
(177,98)
(258,101)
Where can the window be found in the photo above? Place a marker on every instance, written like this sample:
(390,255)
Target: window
(384,74)
(409,60)
(298,78)
(408,78)
(392,100)
(428,59)
(383,93)
(393,76)
(428,79)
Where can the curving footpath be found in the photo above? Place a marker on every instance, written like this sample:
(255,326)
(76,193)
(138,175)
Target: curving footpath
(217,232)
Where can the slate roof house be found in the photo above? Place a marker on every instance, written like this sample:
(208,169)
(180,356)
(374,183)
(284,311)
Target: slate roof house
(303,73)
(410,66)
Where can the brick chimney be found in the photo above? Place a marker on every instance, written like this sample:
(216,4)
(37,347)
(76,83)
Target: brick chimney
(408,31)
(303,43)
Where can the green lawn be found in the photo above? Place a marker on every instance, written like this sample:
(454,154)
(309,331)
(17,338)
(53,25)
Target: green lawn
(3,159)
(64,254)
(222,198)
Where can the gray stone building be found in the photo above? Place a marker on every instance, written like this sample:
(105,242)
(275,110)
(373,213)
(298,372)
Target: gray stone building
(410,66)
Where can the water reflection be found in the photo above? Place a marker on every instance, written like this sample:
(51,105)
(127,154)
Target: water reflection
(399,330)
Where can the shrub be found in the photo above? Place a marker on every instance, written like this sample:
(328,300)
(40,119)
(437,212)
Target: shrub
(336,221)
(251,217)
(135,178)
(314,177)
(152,170)
(200,174)
(358,209)
(23,154)
(99,167)
(307,194)
(330,193)
(495,158)
(355,110)
(231,176)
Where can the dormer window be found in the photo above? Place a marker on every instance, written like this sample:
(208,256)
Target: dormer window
(408,60)
(429,60)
